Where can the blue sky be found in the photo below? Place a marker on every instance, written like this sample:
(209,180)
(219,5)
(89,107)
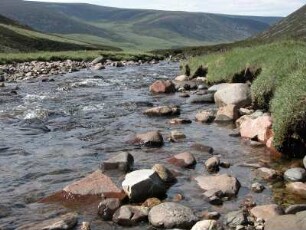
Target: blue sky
(239,7)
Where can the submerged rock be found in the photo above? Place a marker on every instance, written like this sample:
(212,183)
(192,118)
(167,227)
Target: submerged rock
(163,111)
(184,160)
(142,184)
(123,161)
(179,121)
(172,215)
(149,139)
(177,135)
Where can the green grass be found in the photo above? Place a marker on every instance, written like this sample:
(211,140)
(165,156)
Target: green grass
(6,58)
(280,86)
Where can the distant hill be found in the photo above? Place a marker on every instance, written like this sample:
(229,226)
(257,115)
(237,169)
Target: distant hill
(133,29)
(15,37)
(293,26)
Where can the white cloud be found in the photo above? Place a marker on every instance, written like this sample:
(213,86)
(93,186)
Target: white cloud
(241,7)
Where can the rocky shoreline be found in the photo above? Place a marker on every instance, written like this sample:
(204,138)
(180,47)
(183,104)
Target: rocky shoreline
(139,197)
(45,70)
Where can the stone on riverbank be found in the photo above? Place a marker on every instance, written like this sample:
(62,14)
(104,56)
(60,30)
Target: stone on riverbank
(227,184)
(95,184)
(227,113)
(297,188)
(236,218)
(129,215)
(108,207)
(268,174)
(165,174)
(287,222)
(205,116)
(149,139)
(257,187)
(184,160)
(181,78)
(163,111)
(123,161)
(266,212)
(236,94)
(162,87)
(151,202)
(172,215)
(295,175)
(142,184)
(205,225)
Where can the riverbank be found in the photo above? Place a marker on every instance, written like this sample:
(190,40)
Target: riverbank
(277,74)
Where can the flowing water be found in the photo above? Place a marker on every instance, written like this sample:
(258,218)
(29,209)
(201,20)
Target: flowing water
(53,133)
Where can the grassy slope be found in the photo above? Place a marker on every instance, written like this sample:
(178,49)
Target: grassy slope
(280,87)
(133,29)
(15,38)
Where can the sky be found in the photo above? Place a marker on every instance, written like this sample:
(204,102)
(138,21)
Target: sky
(236,7)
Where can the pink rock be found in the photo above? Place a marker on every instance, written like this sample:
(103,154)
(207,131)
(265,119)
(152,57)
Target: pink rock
(297,188)
(184,160)
(95,184)
(162,87)
(266,212)
(259,128)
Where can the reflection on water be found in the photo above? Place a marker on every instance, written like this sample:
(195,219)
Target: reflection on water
(57,132)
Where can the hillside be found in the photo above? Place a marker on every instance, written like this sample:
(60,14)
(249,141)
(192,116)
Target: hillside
(130,29)
(293,26)
(15,37)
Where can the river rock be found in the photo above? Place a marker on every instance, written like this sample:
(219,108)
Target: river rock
(186,85)
(267,173)
(99,66)
(205,225)
(217,87)
(236,94)
(177,135)
(258,129)
(295,208)
(181,78)
(179,121)
(206,116)
(297,188)
(165,174)
(123,161)
(227,113)
(129,215)
(295,175)
(108,207)
(162,87)
(227,184)
(95,184)
(163,111)
(236,218)
(85,226)
(151,202)
(257,187)
(290,222)
(304,162)
(200,99)
(202,148)
(266,212)
(64,222)
(212,164)
(149,139)
(172,215)
(142,184)
(97,60)
(184,160)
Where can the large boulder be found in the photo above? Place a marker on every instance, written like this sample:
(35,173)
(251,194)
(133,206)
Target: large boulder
(287,222)
(259,128)
(129,215)
(266,212)
(142,184)
(162,87)
(95,184)
(123,161)
(295,175)
(184,160)
(237,94)
(149,139)
(172,215)
(163,111)
(217,87)
(227,184)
